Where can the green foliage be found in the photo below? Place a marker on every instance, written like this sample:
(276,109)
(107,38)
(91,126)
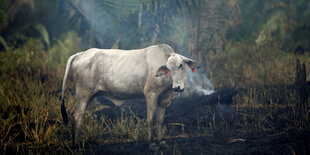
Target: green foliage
(279,17)
(139,23)
(64,47)
(28,60)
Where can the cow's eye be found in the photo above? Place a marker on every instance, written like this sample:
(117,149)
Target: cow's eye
(180,66)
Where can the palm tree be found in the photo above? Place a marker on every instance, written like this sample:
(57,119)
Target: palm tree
(281,18)
(103,19)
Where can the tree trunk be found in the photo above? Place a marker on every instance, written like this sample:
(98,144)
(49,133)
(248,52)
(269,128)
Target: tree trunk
(197,56)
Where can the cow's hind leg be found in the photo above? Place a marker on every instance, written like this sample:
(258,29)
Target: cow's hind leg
(82,99)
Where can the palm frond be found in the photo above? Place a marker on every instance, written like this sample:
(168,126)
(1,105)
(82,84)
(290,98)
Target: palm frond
(3,42)
(43,32)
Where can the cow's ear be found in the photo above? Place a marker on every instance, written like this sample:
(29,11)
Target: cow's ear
(191,64)
(162,70)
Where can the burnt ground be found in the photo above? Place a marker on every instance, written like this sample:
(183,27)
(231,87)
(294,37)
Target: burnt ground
(289,142)
(226,138)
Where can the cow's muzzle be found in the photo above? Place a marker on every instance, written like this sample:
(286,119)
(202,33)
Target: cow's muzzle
(178,89)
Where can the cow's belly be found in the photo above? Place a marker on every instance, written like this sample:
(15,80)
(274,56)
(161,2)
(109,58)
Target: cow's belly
(120,95)
(123,88)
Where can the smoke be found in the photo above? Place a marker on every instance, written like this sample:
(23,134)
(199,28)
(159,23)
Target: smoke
(199,84)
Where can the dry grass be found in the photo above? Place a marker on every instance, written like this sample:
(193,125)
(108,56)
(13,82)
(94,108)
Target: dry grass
(29,118)
(245,66)
(124,129)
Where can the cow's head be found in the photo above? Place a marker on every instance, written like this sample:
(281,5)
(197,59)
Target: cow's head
(176,67)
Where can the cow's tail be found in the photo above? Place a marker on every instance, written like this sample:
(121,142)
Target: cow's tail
(63,108)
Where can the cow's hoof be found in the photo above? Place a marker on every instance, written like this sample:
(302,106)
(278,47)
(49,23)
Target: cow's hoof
(153,147)
(164,145)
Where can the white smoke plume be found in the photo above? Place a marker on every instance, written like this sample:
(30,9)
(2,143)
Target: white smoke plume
(198,83)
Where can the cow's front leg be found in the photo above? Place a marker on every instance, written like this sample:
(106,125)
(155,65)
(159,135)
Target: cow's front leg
(151,103)
(160,115)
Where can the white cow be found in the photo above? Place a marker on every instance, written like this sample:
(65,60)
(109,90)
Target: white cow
(155,73)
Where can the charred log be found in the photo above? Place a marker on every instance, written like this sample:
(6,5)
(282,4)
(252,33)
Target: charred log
(301,86)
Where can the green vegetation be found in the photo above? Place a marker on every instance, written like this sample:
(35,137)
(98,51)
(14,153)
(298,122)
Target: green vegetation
(246,44)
